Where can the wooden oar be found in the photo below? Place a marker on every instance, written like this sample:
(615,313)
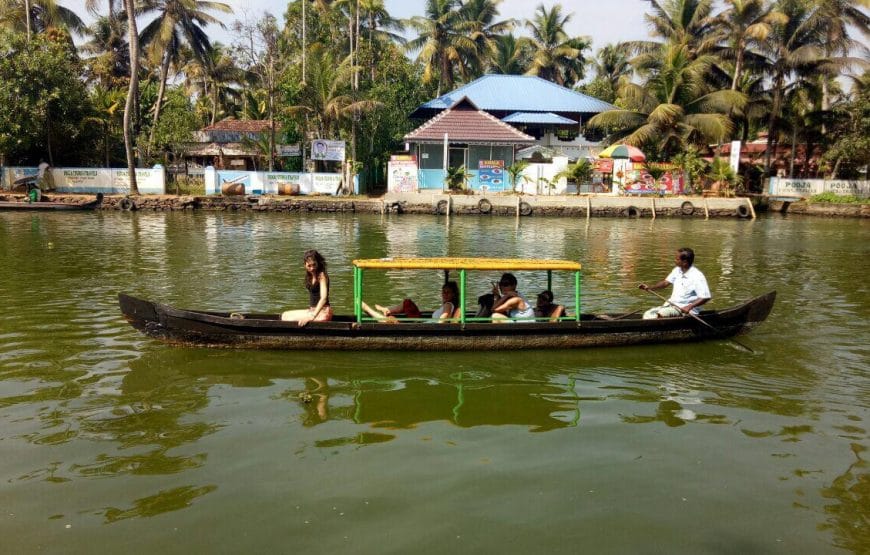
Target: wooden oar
(698,318)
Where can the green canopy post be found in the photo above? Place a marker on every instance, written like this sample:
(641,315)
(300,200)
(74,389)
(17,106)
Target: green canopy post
(357,293)
(462,297)
(577,295)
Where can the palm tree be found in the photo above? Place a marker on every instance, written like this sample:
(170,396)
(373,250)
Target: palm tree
(216,79)
(746,23)
(685,22)
(792,48)
(480,25)
(612,65)
(443,47)
(38,16)
(325,97)
(177,22)
(835,18)
(555,56)
(110,60)
(674,108)
(511,56)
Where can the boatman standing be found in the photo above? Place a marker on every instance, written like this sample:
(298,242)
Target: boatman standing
(690,288)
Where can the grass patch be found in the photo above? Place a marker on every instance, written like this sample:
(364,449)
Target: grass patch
(838,199)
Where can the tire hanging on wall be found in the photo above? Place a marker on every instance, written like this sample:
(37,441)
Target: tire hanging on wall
(441,207)
(742,211)
(525,209)
(484,206)
(632,212)
(687,208)
(126,204)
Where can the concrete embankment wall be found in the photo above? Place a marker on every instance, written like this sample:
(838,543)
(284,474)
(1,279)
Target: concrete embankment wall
(507,205)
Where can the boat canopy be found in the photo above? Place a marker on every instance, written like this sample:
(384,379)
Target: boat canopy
(463,265)
(517,264)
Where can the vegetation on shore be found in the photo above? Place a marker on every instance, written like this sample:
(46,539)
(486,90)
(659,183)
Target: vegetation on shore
(711,72)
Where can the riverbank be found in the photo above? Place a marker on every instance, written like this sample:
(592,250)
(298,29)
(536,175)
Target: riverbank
(573,206)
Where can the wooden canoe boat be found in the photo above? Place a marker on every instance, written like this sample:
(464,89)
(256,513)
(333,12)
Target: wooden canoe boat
(267,331)
(40,206)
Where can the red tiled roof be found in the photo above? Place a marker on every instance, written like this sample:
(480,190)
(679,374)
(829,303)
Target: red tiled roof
(464,123)
(240,125)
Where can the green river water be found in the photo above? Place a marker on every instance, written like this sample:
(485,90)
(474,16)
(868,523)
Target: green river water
(112,442)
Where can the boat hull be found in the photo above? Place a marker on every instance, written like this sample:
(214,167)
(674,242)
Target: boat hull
(267,331)
(49,206)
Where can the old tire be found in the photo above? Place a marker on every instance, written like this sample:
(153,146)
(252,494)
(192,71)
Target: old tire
(525,209)
(126,204)
(632,212)
(441,207)
(742,211)
(484,206)
(687,208)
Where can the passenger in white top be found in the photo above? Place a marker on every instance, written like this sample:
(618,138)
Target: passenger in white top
(690,288)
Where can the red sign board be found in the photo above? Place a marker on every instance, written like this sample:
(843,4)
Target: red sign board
(604,165)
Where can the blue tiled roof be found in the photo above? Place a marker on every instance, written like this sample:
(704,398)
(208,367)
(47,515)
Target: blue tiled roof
(538,117)
(519,93)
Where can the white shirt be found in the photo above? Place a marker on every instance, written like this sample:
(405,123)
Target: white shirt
(689,286)
(41,169)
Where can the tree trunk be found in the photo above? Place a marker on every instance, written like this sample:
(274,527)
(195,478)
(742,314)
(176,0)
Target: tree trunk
(793,152)
(773,123)
(132,93)
(164,73)
(27,17)
(304,40)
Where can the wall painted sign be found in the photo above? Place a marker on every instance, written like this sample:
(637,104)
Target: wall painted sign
(402,175)
(781,186)
(230,182)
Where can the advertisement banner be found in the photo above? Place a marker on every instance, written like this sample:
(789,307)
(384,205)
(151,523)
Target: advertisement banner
(402,176)
(322,149)
(288,150)
(604,165)
(491,176)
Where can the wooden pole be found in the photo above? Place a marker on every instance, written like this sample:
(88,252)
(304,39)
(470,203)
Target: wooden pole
(751,208)
(653,199)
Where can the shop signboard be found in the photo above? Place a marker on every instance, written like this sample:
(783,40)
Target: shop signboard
(402,174)
(491,176)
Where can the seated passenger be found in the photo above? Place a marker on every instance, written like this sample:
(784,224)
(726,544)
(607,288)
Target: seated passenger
(408,309)
(545,308)
(484,303)
(508,303)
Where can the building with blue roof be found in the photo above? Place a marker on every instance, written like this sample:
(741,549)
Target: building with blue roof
(553,116)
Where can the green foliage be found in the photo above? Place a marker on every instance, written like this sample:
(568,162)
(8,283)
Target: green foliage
(43,103)
(457,178)
(515,170)
(691,162)
(599,88)
(851,149)
(579,172)
(838,199)
(176,125)
(721,172)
